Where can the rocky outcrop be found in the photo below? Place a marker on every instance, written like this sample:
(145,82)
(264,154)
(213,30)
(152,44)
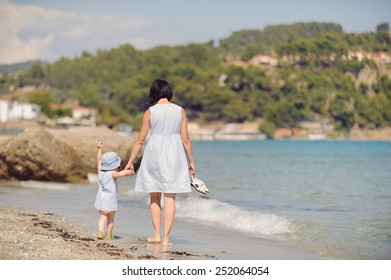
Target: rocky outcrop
(36,155)
(84,141)
(63,155)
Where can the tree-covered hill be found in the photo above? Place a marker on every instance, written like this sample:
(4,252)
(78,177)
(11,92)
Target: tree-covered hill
(320,74)
(17,67)
(246,43)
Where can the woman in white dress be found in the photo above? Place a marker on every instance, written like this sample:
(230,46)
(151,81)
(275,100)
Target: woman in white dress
(167,160)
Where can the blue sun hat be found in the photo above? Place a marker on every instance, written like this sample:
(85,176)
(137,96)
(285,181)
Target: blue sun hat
(110,161)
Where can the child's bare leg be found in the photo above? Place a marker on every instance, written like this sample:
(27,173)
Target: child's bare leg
(155,209)
(169,215)
(110,221)
(102,221)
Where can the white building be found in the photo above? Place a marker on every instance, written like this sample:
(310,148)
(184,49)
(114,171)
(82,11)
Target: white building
(14,111)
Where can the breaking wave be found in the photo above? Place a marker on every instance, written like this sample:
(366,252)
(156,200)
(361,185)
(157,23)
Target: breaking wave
(212,211)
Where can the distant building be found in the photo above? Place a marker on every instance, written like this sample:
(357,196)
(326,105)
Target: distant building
(80,115)
(262,59)
(317,135)
(198,133)
(237,63)
(14,111)
(84,115)
(377,57)
(228,131)
(240,131)
(282,133)
(381,57)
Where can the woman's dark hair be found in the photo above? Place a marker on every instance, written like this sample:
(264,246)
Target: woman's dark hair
(160,89)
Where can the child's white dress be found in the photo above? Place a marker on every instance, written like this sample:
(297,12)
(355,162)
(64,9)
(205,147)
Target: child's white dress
(107,196)
(164,167)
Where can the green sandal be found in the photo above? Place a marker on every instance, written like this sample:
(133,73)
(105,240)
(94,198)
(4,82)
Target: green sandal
(109,236)
(100,235)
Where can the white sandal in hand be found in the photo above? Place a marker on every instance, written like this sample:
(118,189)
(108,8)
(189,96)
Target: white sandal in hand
(198,185)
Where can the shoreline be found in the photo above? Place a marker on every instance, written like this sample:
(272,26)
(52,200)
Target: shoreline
(247,131)
(192,241)
(35,235)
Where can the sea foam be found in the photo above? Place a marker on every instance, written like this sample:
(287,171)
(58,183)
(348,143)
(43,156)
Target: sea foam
(212,211)
(44,185)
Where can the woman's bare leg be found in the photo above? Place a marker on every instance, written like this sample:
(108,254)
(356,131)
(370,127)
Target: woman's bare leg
(169,215)
(156,210)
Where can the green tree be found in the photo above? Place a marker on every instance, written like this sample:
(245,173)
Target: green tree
(340,112)
(137,121)
(43,98)
(252,49)
(238,41)
(235,110)
(268,128)
(88,95)
(112,115)
(383,27)
(286,114)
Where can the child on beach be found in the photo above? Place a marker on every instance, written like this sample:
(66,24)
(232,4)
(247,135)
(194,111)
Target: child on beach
(106,198)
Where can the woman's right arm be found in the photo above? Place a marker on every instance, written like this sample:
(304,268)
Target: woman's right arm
(187,143)
(140,139)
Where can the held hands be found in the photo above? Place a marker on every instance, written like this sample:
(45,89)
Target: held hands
(128,172)
(100,145)
(130,167)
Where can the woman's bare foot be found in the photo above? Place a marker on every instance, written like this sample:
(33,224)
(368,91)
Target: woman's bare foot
(154,239)
(166,243)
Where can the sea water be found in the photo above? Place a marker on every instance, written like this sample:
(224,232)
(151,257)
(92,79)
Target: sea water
(331,198)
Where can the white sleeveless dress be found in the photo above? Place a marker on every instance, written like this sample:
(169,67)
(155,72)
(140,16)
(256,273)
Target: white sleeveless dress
(164,167)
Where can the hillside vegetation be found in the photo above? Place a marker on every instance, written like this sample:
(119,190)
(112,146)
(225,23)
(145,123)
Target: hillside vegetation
(322,73)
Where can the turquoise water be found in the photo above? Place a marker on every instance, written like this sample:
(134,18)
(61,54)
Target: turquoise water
(330,197)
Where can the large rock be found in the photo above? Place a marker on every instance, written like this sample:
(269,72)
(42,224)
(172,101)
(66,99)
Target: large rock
(37,155)
(63,155)
(84,141)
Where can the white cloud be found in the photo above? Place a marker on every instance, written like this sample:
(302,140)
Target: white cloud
(32,32)
(17,50)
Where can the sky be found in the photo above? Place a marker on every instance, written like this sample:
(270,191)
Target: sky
(51,29)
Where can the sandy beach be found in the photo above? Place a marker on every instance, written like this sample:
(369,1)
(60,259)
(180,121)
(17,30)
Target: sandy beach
(34,235)
(58,224)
